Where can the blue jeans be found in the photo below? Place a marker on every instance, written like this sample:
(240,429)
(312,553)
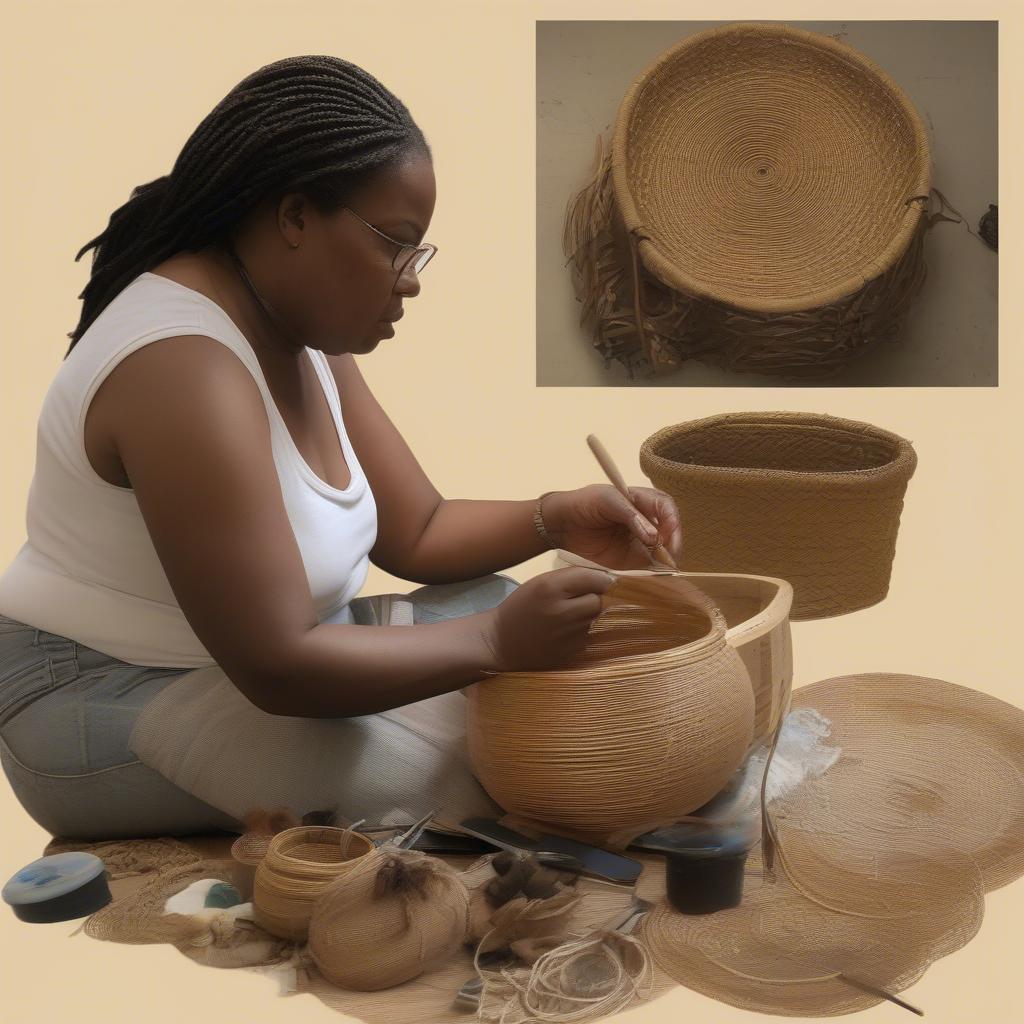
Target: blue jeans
(66,712)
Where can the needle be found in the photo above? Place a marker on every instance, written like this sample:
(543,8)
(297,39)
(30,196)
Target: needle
(613,474)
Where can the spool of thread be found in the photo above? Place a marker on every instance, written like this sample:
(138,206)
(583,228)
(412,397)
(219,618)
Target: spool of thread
(60,887)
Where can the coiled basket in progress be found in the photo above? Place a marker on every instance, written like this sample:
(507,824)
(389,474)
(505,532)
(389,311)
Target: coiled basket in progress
(761,206)
(756,613)
(646,725)
(808,498)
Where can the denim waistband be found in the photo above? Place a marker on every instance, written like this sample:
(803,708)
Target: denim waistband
(68,657)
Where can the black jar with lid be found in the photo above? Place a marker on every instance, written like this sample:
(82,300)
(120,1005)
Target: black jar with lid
(702,881)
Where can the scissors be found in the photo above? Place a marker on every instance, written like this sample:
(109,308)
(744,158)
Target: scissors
(406,839)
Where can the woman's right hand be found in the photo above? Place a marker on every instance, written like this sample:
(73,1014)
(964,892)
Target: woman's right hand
(543,623)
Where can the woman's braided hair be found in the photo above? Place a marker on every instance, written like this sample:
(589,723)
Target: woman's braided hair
(313,124)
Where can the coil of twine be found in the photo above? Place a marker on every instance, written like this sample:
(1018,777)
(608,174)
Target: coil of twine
(299,865)
(389,919)
(582,979)
(809,498)
(647,724)
(762,206)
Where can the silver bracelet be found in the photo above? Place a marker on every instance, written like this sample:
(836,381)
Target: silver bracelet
(538,521)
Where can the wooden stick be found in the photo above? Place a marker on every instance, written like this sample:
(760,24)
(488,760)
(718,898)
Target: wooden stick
(613,474)
(875,990)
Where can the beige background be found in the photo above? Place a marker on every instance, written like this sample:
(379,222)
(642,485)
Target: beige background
(98,97)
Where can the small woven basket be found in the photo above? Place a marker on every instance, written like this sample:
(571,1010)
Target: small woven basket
(762,207)
(812,499)
(300,863)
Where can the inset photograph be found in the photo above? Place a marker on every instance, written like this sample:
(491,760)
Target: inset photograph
(767,204)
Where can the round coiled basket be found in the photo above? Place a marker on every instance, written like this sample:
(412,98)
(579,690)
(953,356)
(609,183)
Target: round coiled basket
(762,207)
(299,865)
(809,498)
(646,725)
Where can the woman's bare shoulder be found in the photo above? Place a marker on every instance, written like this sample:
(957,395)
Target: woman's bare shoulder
(168,369)
(145,372)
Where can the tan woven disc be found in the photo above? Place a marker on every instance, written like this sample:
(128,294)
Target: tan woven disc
(768,168)
(920,758)
(779,952)
(882,861)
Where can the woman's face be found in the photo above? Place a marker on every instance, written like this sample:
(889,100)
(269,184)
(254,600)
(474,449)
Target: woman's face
(344,291)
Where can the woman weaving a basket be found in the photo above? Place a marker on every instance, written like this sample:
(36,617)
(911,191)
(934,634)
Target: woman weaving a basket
(193,514)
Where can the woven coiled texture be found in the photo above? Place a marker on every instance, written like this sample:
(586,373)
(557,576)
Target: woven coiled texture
(883,861)
(647,724)
(249,849)
(756,613)
(773,182)
(395,915)
(921,757)
(811,499)
(770,166)
(300,863)
(215,938)
(261,827)
(780,953)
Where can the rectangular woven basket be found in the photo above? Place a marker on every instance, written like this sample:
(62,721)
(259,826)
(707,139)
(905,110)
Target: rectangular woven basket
(809,498)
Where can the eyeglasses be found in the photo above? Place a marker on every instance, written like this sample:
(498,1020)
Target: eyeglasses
(416,256)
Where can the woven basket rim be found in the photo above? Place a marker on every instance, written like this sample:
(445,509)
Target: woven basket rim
(673,276)
(289,837)
(898,469)
(713,638)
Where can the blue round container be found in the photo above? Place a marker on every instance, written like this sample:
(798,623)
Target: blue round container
(60,887)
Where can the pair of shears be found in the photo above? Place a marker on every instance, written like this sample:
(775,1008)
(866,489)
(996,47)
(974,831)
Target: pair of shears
(405,840)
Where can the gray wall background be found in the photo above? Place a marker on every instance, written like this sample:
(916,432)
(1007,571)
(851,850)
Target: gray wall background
(949,70)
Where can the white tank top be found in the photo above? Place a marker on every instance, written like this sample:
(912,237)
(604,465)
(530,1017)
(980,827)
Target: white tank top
(88,570)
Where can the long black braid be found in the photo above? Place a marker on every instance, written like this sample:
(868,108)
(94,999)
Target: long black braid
(315,124)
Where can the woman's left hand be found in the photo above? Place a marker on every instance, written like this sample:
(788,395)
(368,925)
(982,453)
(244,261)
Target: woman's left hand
(599,524)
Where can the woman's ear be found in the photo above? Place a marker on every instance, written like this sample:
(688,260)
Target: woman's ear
(291,218)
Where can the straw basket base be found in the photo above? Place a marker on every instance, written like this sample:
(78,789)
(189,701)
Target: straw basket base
(652,329)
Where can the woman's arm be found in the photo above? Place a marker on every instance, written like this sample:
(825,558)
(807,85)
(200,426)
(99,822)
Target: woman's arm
(422,536)
(204,476)
(430,539)
(193,435)
(465,538)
